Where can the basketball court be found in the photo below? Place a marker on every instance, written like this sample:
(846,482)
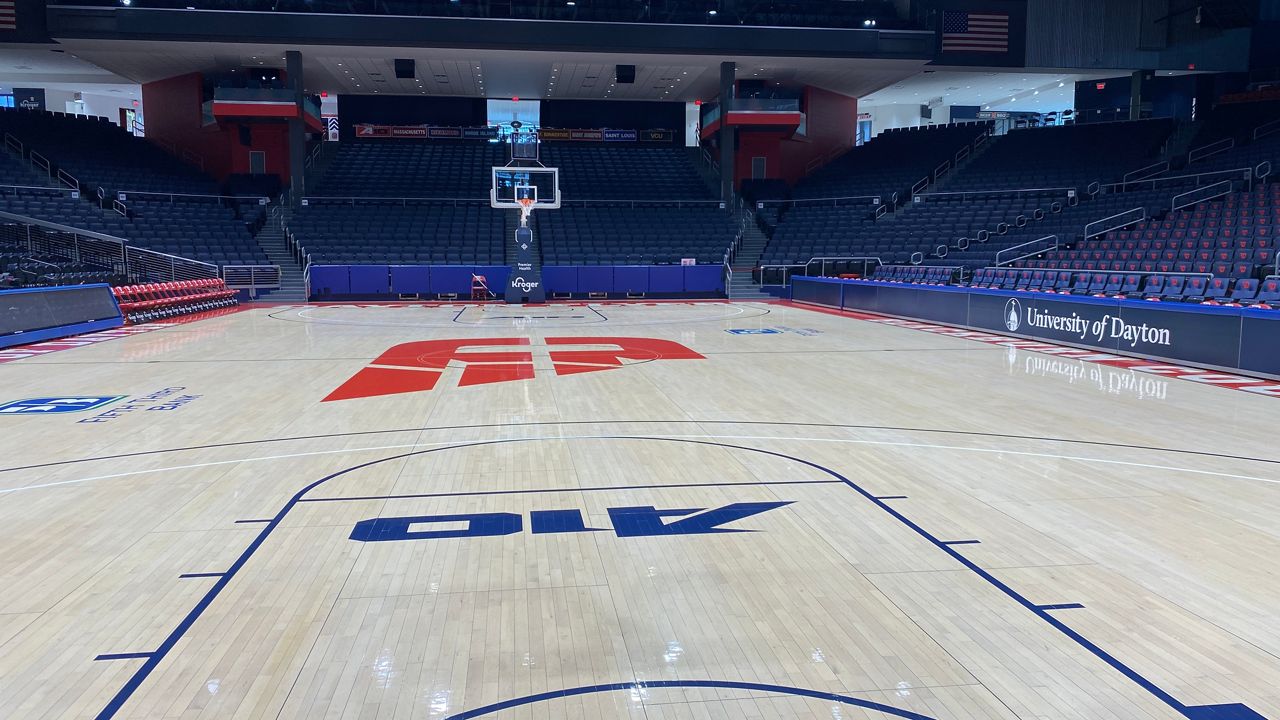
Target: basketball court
(627,510)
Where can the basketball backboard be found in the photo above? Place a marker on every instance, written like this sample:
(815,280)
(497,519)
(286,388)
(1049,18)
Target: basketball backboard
(512,184)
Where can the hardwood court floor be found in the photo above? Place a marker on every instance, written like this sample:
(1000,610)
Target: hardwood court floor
(658,518)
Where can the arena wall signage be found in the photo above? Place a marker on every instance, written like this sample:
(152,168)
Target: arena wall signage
(1215,336)
(434,132)
(367,130)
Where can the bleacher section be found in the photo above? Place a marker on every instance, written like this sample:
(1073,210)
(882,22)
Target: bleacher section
(407,168)
(603,172)
(1231,238)
(462,233)
(27,269)
(1068,156)
(101,155)
(646,215)
(968,224)
(604,235)
(1227,141)
(1220,252)
(892,162)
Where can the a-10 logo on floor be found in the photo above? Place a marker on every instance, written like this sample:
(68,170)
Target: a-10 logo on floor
(641,521)
(417,366)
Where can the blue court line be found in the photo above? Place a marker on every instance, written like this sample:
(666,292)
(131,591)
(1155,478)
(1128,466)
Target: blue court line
(1202,712)
(1062,606)
(569,490)
(640,686)
(123,656)
(201,575)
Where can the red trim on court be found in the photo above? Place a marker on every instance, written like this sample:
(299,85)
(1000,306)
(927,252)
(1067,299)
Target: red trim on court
(1254,385)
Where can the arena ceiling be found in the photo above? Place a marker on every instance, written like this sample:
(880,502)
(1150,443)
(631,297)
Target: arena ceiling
(111,65)
(487,73)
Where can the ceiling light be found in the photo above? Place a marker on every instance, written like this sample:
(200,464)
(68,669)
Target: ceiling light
(1061,84)
(711,12)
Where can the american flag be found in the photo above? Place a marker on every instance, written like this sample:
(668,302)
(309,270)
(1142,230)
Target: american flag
(8,20)
(975,32)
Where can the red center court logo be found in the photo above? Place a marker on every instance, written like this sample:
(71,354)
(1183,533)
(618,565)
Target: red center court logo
(418,366)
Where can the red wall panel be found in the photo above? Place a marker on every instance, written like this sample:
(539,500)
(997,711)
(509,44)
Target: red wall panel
(175,117)
(831,121)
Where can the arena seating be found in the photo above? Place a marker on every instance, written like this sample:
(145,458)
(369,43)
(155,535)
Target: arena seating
(607,235)
(1067,156)
(1054,157)
(409,168)
(461,233)
(28,269)
(604,172)
(891,162)
(159,301)
(1232,238)
(101,155)
(644,215)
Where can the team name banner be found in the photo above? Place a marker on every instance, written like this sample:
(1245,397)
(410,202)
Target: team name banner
(367,130)
(1224,337)
(605,135)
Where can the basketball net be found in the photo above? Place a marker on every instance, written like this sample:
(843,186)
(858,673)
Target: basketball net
(526,209)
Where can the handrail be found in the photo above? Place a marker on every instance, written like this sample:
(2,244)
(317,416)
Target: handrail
(68,179)
(921,184)
(41,162)
(172,195)
(1266,129)
(987,193)
(128,259)
(1159,167)
(833,200)
(864,259)
(941,169)
(962,154)
(1173,179)
(120,208)
(27,220)
(251,277)
(1215,190)
(13,143)
(40,188)
(1109,228)
(1000,262)
(783,267)
(1211,149)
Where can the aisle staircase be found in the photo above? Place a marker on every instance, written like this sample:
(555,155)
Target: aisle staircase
(742,285)
(271,239)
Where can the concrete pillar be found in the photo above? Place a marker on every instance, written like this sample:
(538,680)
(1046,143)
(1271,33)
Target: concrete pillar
(728,135)
(1135,95)
(297,129)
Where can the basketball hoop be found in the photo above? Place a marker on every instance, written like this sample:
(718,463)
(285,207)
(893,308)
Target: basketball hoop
(526,209)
